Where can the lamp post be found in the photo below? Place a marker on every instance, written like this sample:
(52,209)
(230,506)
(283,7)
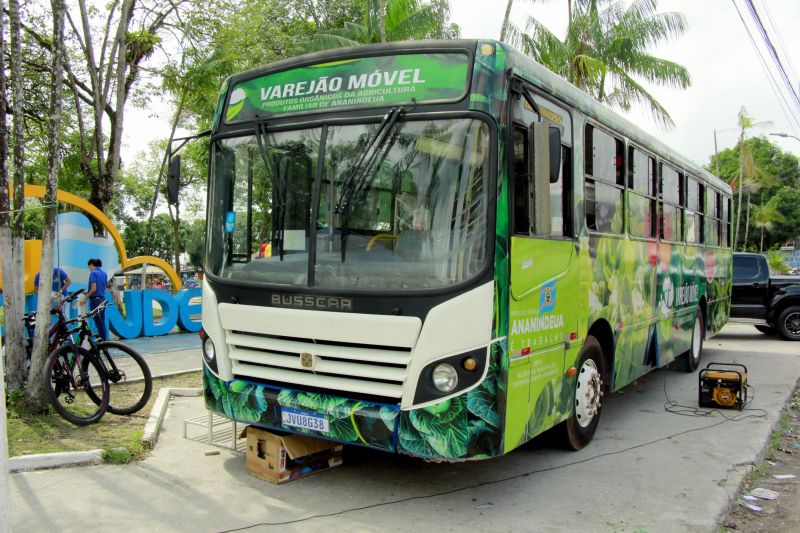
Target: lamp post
(786,135)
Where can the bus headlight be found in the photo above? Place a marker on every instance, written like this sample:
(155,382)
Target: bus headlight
(208,350)
(445,377)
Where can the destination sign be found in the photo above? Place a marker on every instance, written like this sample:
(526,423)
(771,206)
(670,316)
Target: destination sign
(353,83)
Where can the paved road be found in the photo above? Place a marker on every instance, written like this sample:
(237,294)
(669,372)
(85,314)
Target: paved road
(647,469)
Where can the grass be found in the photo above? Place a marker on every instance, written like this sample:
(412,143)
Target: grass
(759,471)
(118,436)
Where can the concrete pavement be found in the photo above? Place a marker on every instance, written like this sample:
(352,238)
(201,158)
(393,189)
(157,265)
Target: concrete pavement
(647,469)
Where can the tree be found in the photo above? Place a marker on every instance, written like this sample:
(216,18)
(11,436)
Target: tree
(158,242)
(35,396)
(108,49)
(390,20)
(772,171)
(11,209)
(605,51)
(507,27)
(765,216)
(194,239)
(787,204)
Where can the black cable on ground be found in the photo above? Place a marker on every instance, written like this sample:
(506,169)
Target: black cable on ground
(669,406)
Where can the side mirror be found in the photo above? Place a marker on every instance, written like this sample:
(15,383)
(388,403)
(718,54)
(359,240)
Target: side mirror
(173,179)
(539,215)
(555,154)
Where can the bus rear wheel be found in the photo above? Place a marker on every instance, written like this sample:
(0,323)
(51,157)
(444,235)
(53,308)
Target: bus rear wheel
(577,430)
(689,361)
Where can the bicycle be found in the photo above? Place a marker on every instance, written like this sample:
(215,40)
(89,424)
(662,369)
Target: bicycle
(59,332)
(124,371)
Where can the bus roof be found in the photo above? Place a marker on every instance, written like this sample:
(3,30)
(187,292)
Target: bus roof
(523,66)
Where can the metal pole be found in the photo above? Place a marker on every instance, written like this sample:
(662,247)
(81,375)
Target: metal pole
(716,152)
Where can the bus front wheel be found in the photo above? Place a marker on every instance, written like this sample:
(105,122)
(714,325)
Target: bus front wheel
(577,430)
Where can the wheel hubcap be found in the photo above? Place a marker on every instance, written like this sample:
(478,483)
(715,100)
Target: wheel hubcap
(792,324)
(588,392)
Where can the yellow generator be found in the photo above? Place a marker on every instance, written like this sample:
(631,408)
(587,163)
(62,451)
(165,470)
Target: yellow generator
(723,385)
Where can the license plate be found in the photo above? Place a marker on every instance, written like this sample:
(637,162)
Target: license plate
(304,419)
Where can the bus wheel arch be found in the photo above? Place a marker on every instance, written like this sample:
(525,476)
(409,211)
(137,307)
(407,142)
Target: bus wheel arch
(704,310)
(602,332)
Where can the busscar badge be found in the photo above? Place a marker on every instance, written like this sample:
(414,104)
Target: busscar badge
(307,360)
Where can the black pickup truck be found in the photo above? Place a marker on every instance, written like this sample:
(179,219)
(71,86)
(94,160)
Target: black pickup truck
(770,303)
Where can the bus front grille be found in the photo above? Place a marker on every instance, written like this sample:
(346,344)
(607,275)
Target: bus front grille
(353,368)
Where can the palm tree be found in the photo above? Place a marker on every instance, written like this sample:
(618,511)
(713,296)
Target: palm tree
(605,49)
(749,176)
(507,28)
(391,20)
(764,217)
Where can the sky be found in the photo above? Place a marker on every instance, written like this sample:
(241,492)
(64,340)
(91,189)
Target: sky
(725,70)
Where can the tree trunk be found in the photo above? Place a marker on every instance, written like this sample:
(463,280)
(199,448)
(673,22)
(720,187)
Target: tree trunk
(504,27)
(35,396)
(741,182)
(747,221)
(761,246)
(11,236)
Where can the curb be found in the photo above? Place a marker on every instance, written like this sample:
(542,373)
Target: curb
(153,423)
(41,461)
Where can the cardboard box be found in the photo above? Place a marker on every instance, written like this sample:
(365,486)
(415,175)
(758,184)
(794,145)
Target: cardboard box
(279,459)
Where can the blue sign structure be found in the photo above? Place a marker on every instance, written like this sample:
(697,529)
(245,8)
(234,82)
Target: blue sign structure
(230,221)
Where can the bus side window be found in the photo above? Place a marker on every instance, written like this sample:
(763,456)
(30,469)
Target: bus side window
(671,200)
(642,194)
(560,204)
(727,221)
(604,181)
(694,220)
(522,224)
(712,237)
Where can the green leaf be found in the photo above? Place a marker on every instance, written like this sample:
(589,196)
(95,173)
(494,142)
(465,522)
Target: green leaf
(484,405)
(389,417)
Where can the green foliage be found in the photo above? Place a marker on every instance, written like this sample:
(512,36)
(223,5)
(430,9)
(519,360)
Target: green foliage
(605,51)
(777,263)
(193,237)
(157,243)
(404,20)
(775,182)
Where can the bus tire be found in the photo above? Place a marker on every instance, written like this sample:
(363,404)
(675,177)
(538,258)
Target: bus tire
(577,430)
(767,330)
(689,361)
(789,323)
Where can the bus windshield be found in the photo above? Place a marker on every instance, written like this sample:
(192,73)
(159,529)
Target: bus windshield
(413,214)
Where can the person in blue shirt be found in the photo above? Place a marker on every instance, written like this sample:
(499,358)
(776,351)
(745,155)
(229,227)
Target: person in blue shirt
(96,294)
(60,281)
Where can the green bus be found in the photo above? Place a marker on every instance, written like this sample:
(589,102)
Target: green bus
(442,249)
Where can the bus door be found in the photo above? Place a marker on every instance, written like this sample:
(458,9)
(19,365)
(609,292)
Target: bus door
(543,274)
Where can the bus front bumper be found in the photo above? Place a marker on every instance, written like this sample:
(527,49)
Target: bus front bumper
(445,431)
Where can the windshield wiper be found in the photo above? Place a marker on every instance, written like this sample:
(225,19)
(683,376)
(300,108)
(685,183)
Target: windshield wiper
(281,174)
(359,173)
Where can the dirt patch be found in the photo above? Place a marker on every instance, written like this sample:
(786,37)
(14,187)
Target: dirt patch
(782,459)
(119,436)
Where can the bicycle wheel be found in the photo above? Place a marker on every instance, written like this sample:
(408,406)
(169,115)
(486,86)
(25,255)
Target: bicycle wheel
(72,381)
(129,377)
